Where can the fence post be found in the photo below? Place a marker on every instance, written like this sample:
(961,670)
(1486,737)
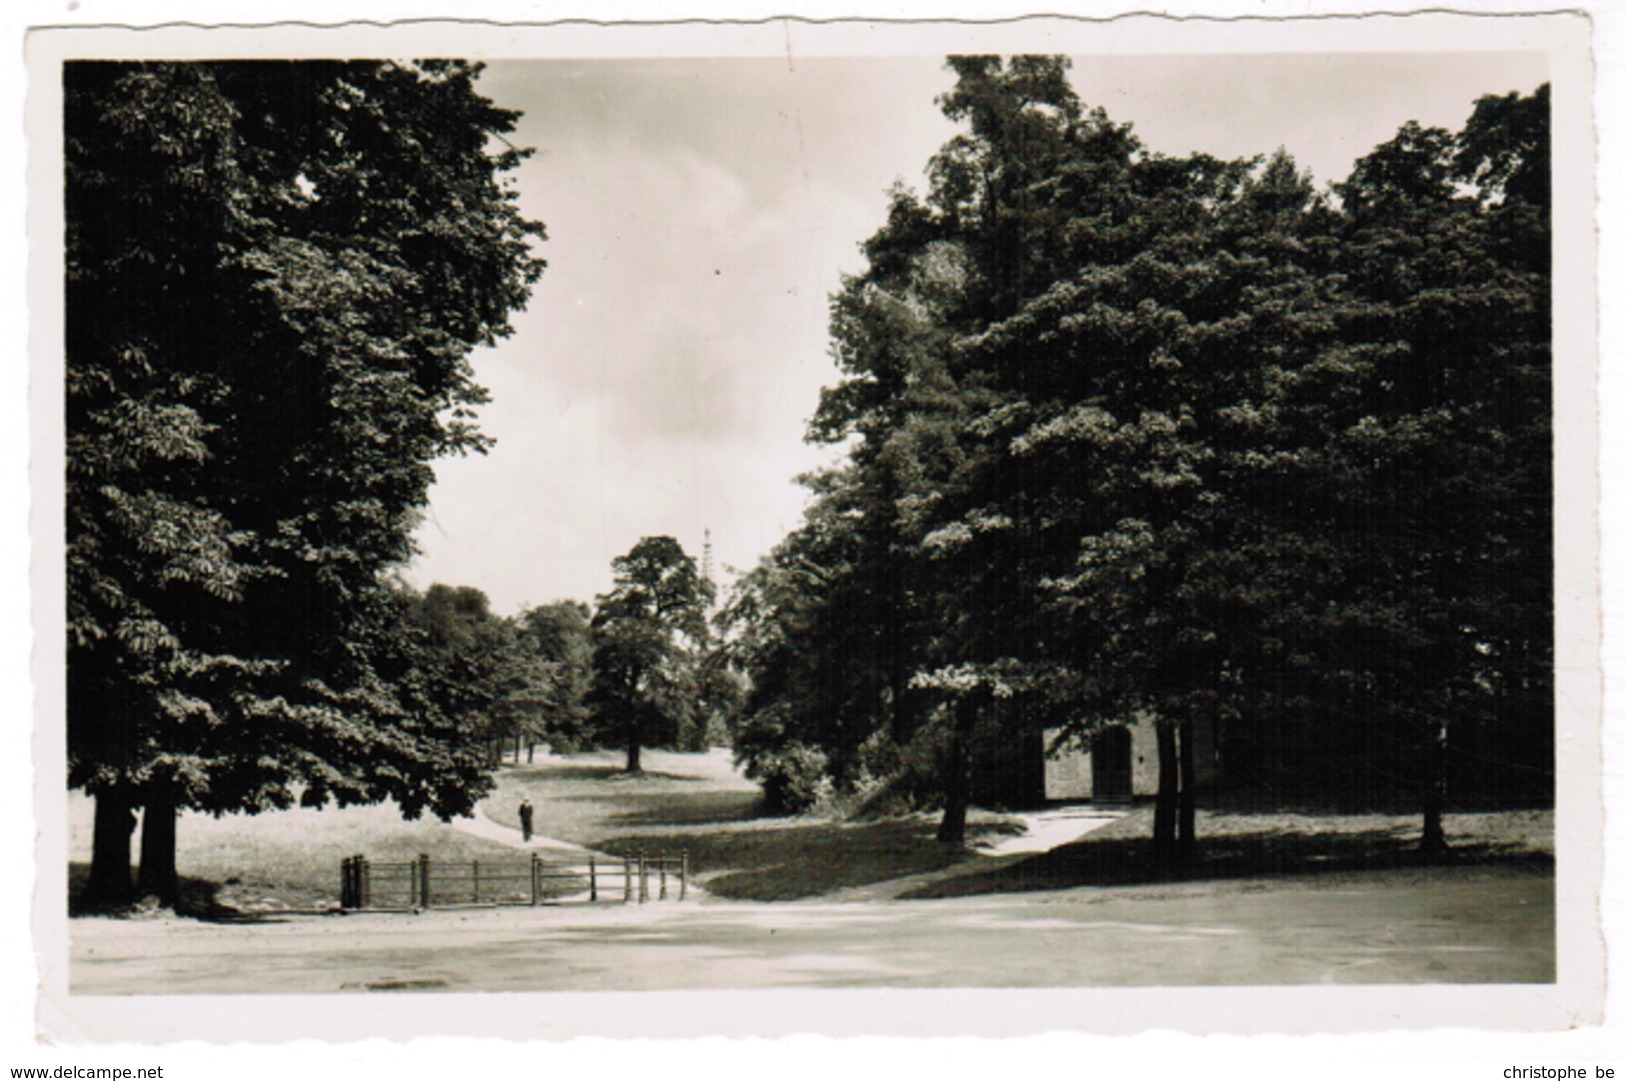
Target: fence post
(663,862)
(535,879)
(414,891)
(366,881)
(476,881)
(592,878)
(682,883)
(643,878)
(626,877)
(423,879)
(345,900)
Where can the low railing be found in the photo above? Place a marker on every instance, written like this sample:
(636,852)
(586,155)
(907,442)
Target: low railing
(425,883)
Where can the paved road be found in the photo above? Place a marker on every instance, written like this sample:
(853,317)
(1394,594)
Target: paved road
(1467,925)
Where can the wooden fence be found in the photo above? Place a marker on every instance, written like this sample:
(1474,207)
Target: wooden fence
(424,883)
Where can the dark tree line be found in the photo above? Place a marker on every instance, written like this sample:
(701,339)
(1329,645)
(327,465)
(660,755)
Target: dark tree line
(505,683)
(638,670)
(1186,438)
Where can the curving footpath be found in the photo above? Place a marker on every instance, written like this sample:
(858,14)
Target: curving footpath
(485,828)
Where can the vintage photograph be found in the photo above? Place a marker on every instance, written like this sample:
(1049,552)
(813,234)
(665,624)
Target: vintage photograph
(805,507)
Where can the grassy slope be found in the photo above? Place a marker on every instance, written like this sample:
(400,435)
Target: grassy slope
(698,804)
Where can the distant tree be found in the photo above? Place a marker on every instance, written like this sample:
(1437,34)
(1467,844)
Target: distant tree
(275,274)
(557,641)
(479,665)
(648,634)
(720,690)
(442,670)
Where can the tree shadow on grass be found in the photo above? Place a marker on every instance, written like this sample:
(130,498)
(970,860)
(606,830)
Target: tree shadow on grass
(555,771)
(682,808)
(1264,854)
(199,900)
(800,859)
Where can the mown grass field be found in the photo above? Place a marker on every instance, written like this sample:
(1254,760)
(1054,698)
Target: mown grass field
(284,860)
(700,805)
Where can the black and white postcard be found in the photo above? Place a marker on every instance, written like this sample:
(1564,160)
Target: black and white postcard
(894,527)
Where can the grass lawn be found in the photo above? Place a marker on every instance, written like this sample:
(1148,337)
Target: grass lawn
(588,798)
(698,803)
(283,860)
(701,805)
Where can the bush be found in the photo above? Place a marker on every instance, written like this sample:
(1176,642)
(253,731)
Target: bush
(794,780)
(898,779)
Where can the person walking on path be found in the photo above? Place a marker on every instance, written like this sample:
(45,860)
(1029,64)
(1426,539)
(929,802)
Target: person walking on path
(527,818)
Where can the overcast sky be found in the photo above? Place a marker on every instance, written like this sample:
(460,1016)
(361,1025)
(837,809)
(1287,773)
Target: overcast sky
(699,215)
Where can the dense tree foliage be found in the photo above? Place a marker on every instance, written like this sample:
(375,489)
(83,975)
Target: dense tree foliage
(1133,435)
(275,275)
(478,670)
(649,639)
(557,642)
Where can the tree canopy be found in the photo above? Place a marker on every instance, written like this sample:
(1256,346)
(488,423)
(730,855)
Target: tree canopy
(648,636)
(276,272)
(1183,438)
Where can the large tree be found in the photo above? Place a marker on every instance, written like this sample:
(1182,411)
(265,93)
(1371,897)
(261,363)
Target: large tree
(649,633)
(1444,454)
(275,275)
(1147,380)
(1291,460)
(897,622)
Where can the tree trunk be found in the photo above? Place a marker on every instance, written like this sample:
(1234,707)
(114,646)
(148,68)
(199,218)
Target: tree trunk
(956,791)
(1187,793)
(530,754)
(158,877)
(1164,840)
(634,746)
(109,884)
(1433,790)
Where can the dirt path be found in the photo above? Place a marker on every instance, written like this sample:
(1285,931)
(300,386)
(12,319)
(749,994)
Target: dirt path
(483,827)
(1050,829)
(1044,830)
(1465,925)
